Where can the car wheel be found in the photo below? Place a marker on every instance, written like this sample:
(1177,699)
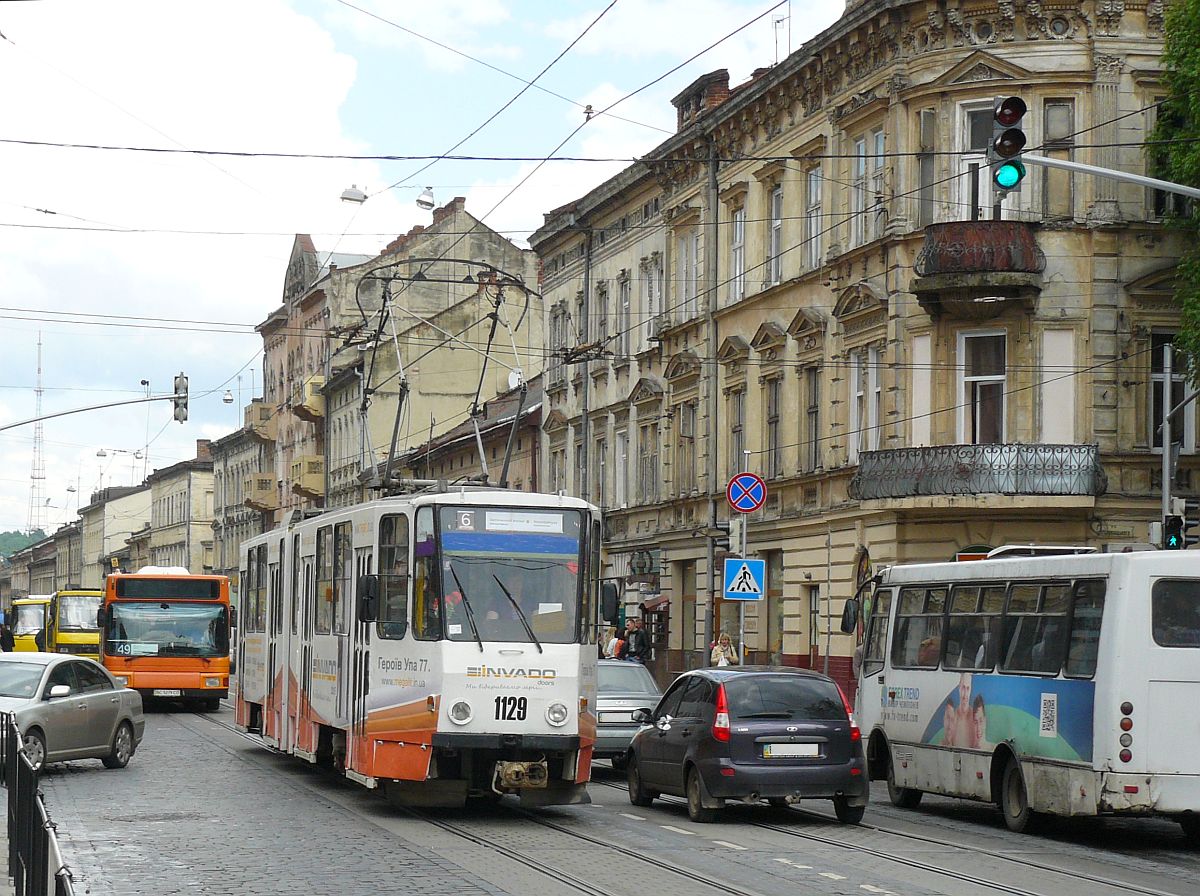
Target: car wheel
(1014,800)
(846,813)
(696,810)
(122,747)
(620,762)
(638,795)
(901,797)
(34,744)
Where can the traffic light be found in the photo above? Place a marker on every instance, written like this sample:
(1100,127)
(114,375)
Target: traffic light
(1004,152)
(1172,533)
(181,398)
(1189,510)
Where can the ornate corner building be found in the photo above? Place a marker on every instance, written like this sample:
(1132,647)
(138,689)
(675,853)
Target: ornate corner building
(810,280)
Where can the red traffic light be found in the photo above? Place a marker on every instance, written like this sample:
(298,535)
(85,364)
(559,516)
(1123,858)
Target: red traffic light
(1009,110)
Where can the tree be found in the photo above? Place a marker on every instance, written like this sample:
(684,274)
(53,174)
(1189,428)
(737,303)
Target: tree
(1179,161)
(11,542)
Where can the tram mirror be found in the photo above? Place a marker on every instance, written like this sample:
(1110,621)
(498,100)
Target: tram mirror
(368,598)
(610,603)
(850,616)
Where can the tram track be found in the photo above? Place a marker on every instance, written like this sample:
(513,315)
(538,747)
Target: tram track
(917,864)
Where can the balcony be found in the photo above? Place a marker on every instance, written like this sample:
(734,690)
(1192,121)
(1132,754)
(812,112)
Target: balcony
(1058,470)
(259,493)
(311,403)
(977,269)
(262,421)
(308,476)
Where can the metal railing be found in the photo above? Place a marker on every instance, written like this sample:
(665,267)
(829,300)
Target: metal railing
(34,860)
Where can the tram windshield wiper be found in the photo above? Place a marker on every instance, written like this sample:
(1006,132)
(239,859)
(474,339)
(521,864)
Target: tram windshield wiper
(520,613)
(466,606)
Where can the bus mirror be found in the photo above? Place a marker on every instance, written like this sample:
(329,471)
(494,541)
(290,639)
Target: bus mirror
(100,618)
(610,604)
(850,616)
(368,598)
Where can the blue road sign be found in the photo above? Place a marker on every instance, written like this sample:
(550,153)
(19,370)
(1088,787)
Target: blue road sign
(746,492)
(745,579)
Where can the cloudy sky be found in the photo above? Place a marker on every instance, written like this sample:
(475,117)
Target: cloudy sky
(131,266)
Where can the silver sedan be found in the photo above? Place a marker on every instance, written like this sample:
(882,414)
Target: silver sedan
(70,708)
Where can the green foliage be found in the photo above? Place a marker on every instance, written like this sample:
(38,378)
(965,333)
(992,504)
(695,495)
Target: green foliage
(1179,161)
(11,542)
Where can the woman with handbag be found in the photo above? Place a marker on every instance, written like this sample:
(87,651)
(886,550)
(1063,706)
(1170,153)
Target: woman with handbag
(723,652)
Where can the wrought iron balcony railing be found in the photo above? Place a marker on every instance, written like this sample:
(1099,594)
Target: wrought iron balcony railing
(979,469)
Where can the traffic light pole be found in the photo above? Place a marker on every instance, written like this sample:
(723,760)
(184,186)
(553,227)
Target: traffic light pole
(95,407)
(1154,183)
(1166,434)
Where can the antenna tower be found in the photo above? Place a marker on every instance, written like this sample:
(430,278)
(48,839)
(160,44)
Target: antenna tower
(37,475)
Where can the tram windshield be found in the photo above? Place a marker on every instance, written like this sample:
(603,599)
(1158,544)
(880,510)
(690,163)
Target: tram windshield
(511,574)
(167,629)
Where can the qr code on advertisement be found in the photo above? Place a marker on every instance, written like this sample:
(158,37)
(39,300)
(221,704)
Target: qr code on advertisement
(1048,724)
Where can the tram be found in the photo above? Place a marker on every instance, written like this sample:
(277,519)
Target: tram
(440,646)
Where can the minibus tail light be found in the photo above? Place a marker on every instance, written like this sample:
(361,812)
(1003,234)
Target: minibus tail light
(720,728)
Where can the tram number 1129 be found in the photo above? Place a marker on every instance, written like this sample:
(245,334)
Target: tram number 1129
(512,709)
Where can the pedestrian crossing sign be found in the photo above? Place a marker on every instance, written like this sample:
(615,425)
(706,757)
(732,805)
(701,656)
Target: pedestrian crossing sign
(745,579)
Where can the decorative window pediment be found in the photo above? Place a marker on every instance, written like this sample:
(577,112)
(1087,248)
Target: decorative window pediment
(683,366)
(733,350)
(769,336)
(981,66)
(556,421)
(860,307)
(1155,291)
(808,329)
(735,193)
(646,390)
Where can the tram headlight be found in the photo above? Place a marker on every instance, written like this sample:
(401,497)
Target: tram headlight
(557,714)
(460,712)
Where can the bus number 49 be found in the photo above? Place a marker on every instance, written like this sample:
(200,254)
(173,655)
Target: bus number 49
(511,709)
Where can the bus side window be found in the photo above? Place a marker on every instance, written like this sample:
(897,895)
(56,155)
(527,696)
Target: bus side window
(877,632)
(1087,611)
(918,637)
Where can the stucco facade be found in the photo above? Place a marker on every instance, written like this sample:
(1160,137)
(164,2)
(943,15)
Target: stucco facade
(181,513)
(802,292)
(237,458)
(106,522)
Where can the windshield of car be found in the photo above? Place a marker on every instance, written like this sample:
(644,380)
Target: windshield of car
(167,629)
(783,697)
(626,678)
(19,679)
(29,618)
(510,574)
(77,612)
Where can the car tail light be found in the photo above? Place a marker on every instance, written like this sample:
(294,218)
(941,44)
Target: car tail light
(855,733)
(720,728)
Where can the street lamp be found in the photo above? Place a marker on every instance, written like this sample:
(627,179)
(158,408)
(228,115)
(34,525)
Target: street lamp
(133,457)
(425,200)
(353,194)
(227,398)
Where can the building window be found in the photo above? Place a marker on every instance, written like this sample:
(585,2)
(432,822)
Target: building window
(580,485)
(864,406)
(867,192)
(599,473)
(621,345)
(737,256)
(737,432)
(651,292)
(981,387)
(648,473)
(774,454)
(621,469)
(812,418)
(813,222)
(685,448)
(687,267)
(599,328)
(775,236)
(1058,132)
(1162,205)
(927,167)
(1186,417)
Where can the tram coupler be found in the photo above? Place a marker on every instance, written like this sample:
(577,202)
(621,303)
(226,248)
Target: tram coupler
(520,775)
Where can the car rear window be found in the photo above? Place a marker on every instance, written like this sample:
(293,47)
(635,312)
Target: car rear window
(631,678)
(783,697)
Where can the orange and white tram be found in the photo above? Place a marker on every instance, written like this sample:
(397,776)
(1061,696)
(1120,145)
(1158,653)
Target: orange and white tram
(440,645)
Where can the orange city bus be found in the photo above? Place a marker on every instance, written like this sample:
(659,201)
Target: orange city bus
(165,633)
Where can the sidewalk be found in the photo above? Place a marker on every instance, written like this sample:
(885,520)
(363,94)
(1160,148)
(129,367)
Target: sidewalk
(6,884)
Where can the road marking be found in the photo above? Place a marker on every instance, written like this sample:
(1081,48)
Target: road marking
(667,827)
(728,844)
(871,888)
(831,875)
(794,864)
(634,817)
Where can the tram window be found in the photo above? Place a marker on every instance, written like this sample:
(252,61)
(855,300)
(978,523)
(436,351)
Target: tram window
(426,620)
(343,572)
(295,591)
(277,595)
(918,640)
(393,576)
(877,632)
(1175,612)
(324,594)
(248,592)
(1087,612)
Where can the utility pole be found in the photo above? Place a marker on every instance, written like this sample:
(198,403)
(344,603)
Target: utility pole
(1166,433)
(1095,170)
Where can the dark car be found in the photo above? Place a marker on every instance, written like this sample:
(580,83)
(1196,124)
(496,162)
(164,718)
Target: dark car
(750,733)
(622,688)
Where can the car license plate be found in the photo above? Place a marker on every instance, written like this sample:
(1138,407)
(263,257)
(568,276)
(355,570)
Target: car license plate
(786,751)
(616,716)
(168,692)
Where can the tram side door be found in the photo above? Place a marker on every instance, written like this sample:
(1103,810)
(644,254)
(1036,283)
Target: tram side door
(286,627)
(271,724)
(358,680)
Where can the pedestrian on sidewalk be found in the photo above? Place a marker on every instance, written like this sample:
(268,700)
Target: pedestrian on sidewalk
(7,642)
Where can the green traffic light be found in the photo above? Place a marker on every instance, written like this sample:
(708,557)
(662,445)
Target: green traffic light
(1009,174)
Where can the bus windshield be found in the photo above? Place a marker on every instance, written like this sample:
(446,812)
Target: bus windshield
(77,612)
(30,618)
(510,574)
(162,629)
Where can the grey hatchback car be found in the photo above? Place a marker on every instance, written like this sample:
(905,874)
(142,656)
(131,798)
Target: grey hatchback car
(70,708)
(750,733)
(622,688)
